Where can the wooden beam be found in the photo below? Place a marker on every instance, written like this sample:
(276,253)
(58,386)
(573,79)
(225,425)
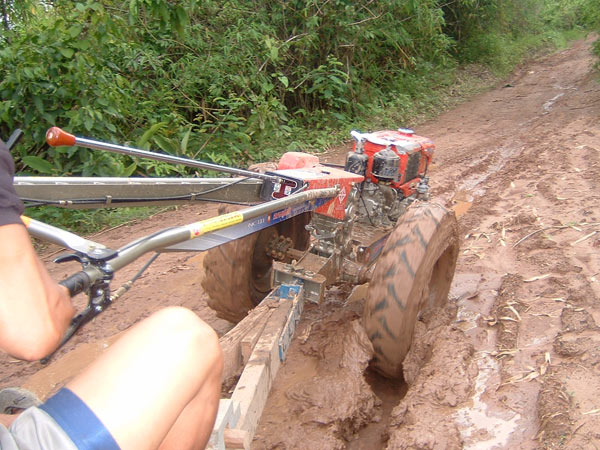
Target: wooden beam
(227,417)
(231,342)
(253,387)
(255,382)
(249,341)
(266,333)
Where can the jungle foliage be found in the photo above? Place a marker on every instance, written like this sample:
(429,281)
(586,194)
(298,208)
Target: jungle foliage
(234,81)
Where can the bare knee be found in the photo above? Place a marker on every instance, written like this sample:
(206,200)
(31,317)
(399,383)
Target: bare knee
(185,331)
(180,318)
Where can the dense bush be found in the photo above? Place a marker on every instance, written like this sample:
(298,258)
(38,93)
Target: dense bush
(234,81)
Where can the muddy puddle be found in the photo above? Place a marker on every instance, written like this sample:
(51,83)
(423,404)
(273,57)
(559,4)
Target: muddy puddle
(375,435)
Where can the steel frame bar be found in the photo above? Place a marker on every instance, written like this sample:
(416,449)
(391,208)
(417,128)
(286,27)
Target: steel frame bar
(110,191)
(172,236)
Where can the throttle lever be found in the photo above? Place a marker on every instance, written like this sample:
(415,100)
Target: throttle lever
(96,255)
(76,322)
(99,300)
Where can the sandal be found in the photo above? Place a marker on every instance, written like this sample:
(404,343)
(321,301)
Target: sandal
(16,400)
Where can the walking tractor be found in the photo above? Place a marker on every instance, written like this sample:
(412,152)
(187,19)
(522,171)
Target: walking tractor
(281,238)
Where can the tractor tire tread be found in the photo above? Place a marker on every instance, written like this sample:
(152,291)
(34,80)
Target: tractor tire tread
(404,281)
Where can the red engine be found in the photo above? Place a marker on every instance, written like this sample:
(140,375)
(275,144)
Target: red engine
(394,164)
(398,158)
(384,173)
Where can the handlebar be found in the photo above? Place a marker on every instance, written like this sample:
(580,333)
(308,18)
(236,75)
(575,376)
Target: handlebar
(100,263)
(77,283)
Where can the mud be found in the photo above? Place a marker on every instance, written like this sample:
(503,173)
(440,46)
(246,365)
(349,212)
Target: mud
(324,394)
(512,362)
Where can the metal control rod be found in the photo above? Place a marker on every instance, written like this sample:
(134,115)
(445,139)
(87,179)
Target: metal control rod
(56,137)
(171,236)
(96,192)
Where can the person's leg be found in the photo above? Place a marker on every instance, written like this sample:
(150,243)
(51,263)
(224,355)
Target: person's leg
(7,419)
(159,383)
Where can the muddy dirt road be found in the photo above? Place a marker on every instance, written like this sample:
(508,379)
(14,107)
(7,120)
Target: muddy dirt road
(512,362)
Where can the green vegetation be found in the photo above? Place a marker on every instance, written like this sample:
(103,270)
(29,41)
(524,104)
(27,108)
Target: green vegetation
(235,82)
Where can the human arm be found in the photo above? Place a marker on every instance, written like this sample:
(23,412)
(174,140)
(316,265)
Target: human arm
(34,310)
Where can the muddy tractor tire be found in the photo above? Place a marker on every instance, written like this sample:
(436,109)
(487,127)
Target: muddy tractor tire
(414,272)
(237,275)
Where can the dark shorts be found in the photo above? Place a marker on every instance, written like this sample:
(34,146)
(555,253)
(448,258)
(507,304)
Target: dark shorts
(64,421)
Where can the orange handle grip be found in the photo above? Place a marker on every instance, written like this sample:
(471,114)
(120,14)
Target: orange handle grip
(56,137)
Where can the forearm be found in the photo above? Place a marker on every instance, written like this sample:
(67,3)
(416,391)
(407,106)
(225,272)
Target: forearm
(34,310)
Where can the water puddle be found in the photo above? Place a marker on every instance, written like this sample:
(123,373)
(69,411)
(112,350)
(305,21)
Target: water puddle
(481,428)
(548,105)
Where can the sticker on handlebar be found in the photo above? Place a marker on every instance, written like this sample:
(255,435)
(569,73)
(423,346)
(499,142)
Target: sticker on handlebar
(214,223)
(26,221)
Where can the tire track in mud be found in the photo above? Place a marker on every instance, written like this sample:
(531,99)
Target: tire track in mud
(543,188)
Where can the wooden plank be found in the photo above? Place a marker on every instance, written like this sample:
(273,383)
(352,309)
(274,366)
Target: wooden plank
(234,439)
(255,382)
(287,334)
(230,342)
(249,340)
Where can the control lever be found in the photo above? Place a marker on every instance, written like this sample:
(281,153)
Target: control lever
(14,138)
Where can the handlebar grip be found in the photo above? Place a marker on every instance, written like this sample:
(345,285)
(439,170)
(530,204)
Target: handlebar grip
(76,283)
(56,137)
